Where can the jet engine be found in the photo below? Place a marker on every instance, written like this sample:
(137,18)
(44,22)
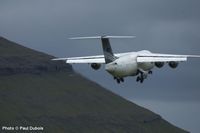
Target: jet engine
(95,66)
(173,64)
(159,64)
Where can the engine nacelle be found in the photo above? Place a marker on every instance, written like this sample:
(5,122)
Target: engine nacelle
(95,66)
(173,64)
(159,64)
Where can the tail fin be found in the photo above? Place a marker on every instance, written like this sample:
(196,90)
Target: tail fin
(107,50)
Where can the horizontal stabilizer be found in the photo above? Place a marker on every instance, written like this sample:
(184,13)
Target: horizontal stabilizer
(101,37)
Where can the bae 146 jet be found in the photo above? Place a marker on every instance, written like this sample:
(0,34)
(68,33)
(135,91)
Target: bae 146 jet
(121,65)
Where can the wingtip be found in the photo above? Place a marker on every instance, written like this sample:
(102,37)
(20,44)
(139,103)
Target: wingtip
(54,59)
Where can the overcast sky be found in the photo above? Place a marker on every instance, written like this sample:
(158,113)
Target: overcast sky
(167,26)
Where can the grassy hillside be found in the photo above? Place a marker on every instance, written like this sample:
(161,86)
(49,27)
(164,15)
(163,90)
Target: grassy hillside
(15,59)
(55,97)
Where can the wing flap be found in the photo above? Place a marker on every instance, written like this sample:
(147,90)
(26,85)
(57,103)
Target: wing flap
(85,59)
(156,57)
(160,59)
(89,61)
(166,55)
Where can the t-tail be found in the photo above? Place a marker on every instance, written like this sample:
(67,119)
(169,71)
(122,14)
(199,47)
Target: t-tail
(107,50)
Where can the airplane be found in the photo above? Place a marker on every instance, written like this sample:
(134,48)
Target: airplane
(121,65)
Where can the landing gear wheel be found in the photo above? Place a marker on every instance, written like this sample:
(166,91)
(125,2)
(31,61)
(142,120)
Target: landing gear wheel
(150,72)
(138,79)
(141,80)
(118,81)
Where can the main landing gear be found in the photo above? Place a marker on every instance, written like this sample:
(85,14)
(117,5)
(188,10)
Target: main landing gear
(119,80)
(142,76)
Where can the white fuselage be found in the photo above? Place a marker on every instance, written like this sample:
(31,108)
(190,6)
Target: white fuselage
(127,65)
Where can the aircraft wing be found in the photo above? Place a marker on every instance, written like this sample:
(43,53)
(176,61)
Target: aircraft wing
(85,59)
(154,57)
(88,59)
(142,57)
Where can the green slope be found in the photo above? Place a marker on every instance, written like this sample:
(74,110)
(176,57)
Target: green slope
(15,59)
(49,94)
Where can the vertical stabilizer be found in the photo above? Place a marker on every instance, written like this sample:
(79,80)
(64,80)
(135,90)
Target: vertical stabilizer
(107,50)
